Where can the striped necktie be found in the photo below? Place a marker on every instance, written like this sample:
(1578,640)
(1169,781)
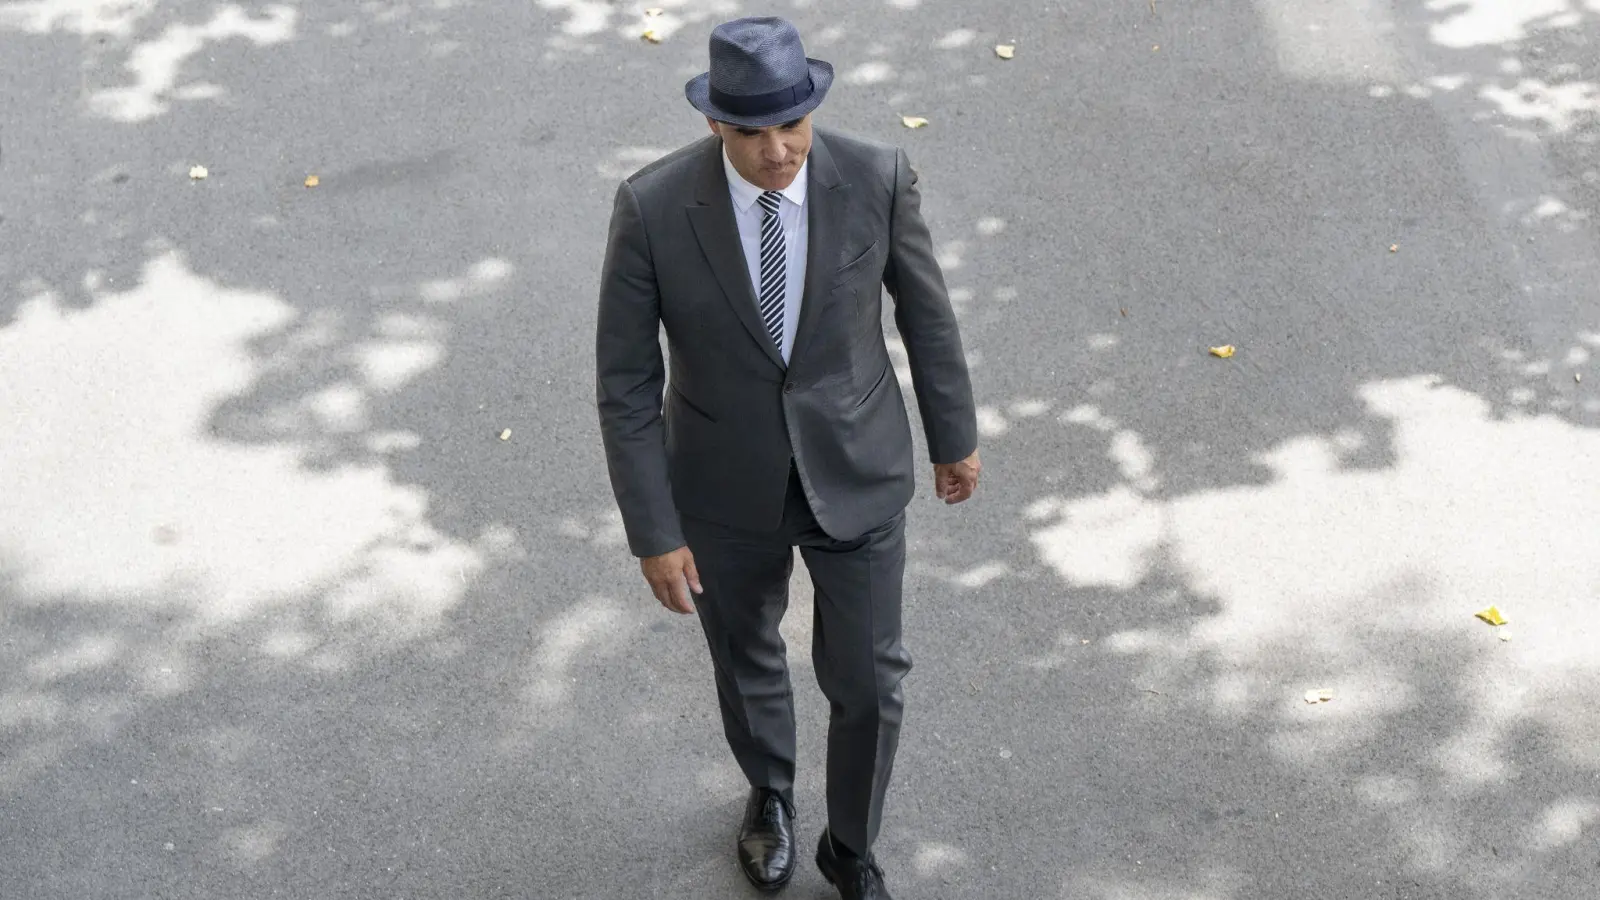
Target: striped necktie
(774,281)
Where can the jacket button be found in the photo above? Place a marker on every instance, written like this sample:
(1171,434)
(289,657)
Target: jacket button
(788,387)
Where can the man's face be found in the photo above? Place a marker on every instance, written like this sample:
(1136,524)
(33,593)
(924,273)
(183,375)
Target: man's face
(768,158)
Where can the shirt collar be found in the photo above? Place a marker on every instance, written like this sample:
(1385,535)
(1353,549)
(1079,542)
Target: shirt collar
(746,194)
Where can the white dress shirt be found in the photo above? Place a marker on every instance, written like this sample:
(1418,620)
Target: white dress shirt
(792,216)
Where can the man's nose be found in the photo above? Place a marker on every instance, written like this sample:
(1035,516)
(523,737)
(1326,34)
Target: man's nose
(776,152)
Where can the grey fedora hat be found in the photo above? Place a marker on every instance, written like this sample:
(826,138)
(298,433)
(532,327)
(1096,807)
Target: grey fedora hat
(759,75)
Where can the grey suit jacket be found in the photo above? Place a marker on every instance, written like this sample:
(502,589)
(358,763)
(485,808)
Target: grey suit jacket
(717,446)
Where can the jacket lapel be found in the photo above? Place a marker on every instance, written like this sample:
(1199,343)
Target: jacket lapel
(712,219)
(826,196)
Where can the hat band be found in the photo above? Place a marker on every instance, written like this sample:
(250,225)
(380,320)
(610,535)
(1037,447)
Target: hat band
(761,104)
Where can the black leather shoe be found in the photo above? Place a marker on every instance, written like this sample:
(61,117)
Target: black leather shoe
(766,840)
(855,877)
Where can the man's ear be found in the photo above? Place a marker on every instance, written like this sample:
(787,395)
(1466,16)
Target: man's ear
(713,123)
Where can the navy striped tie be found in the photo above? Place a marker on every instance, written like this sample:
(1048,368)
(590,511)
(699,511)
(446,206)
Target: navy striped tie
(774,281)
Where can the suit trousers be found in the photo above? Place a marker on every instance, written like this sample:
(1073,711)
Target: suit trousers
(855,650)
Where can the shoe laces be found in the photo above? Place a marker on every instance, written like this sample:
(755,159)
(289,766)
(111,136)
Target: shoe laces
(766,805)
(864,876)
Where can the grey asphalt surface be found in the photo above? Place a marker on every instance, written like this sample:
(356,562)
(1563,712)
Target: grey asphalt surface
(282,615)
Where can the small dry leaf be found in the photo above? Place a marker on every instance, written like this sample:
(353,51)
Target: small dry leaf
(198,172)
(1578,377)
(312,181)
(913,121)
(1155,48)
(505,435)
(1394,248)
(654,11)
(1503,634)
(1320,695)
(1225,351)
(1005,51)
(1005,754)
(1492,616)
(1124,312)
(651,35)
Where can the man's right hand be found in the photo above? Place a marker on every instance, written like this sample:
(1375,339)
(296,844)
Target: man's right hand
(672,576)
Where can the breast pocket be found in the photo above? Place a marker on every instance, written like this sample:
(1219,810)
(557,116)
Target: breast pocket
(855,267)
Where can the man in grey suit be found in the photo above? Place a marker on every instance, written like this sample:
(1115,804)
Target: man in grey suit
(760,250)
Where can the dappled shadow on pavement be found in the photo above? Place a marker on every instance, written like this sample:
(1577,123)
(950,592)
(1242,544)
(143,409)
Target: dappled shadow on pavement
(283,615)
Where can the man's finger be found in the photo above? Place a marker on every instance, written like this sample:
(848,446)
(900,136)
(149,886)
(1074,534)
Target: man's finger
(693,575)
(680,598)
(662,595)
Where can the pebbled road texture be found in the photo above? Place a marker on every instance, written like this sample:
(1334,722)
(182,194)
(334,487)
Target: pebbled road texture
(283,615)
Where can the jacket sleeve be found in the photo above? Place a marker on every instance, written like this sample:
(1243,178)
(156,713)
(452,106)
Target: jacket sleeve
(629,378)
(927,326)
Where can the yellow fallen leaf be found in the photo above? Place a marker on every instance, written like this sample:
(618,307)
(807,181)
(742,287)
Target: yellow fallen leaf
(651,35)
(913,121)
(505,435)
(312,181)
(1225,351)
(1320,695)
(198,172)
(1005,51)
(1492,616)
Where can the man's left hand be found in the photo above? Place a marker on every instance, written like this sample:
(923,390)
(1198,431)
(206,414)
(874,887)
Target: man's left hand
(955,482)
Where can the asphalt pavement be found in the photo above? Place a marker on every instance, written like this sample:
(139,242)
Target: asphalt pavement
(311,584)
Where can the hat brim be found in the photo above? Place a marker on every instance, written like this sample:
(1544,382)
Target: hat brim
(698,90)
